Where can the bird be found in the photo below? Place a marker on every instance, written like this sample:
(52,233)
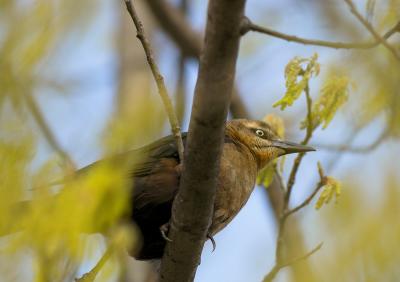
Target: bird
(154,172)
(249,145)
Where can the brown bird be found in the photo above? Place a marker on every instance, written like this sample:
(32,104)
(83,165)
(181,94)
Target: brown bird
(249,146)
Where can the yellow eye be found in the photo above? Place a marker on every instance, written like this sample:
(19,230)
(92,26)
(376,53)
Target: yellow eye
(259,132)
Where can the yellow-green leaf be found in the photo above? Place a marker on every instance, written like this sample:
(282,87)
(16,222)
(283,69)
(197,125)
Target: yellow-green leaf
(266,175)
(331,188)
(298,73)
(276,123)
(333,95)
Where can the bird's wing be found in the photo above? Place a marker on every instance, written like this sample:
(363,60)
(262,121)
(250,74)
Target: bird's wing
(142,161)
(148,157)
(156,174)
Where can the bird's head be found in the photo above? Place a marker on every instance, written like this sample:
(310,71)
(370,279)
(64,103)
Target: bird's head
(262,140)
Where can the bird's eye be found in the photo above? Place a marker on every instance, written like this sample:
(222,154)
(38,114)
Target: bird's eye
(259,132)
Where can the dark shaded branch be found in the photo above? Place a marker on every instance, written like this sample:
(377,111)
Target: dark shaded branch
(162,90)
(193,205)
(47,133)
(371,29)
(180,98)
(248,25)
(174,23)
(181,81)
(237,107)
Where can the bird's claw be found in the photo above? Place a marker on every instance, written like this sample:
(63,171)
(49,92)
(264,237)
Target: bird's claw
(209,236)
(164,230)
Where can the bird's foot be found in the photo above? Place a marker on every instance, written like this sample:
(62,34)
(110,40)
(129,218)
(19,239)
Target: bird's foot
(209,236)
(164,230)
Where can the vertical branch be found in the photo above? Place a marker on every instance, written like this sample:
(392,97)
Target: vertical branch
(181,81)
(297,161)
(371,29)
(180,88)
(193,206)
(162,90)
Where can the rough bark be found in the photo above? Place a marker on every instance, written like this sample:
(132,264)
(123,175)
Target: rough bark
(193,206)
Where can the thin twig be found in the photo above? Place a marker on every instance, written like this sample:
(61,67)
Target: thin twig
(277,267)
(371,29)
(247,26)
(354,149)
(47,132)
(320,184)
(297,161)
(162,90)
(303,257)
(91,275)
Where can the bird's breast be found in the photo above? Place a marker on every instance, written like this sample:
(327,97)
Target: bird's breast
(238,172)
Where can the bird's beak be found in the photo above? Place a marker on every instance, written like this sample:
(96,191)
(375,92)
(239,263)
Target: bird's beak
(291,147)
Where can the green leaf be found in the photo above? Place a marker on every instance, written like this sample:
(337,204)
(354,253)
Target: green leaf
(266,175)
(276,123)
(332,188)
(333,95)
(297,74)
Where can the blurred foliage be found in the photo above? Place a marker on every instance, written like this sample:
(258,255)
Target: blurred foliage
(333,95)
(141,125)
(31,33)
(51,225)
(375,70)
(361,236)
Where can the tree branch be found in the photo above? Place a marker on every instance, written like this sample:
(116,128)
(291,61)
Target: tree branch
(248,25)
(371,29)
(174,23)
(274,271)
(354,149)
(285,213)
(181,80)
(320,184)
(297,161)
(189,41)
(193,205)
(162,90)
